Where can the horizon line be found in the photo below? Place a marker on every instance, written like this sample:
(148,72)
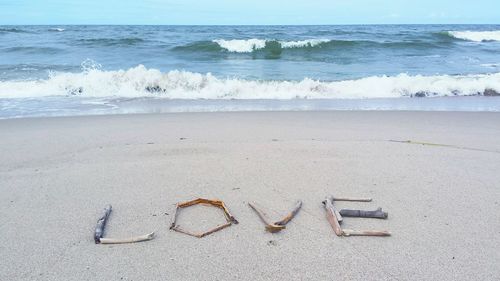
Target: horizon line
(332,24)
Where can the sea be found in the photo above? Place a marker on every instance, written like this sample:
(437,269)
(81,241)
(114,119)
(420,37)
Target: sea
(96,69)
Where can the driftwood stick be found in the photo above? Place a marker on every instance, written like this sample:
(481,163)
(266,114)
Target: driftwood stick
(140,238)
(215,229)
(339,216)
(352,199)
(215,203)
(228,215)
(291,215)
(350,232)
(179,229)
(174,220)
(270,226)
(330,215)
(200,235)
(377,214)
(101,224)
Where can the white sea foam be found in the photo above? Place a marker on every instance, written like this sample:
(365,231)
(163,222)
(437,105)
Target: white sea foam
(476,36)
(492,65)
(250,45)
(142,82)
(302,43)
(241,46)
(56,29)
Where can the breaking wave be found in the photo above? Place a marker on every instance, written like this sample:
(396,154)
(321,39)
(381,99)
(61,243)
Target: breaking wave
(476,36)
(250,45)
(142,82)
(57,29)
(245,46)
(254,45)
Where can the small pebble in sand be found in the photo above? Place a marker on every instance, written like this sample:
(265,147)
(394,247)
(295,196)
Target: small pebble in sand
(272,243)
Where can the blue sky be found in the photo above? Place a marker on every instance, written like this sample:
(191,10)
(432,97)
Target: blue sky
(248,12)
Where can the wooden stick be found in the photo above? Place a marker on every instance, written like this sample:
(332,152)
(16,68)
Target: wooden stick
(217,228)
(350,232)
(200,235)
(377,214)
(140,238)
(291,215)
(444,145)
(178,229)
(174,221)
(271,227)
(228,215)
(101,224)
(424,143)
(216,203)
(339,216)
(352,199)
(331,217)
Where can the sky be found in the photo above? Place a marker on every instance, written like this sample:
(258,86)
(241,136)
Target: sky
(243,12)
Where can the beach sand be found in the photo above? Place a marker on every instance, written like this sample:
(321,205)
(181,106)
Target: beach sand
(57,174)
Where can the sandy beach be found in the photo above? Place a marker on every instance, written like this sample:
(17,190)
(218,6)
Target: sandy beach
(57,174)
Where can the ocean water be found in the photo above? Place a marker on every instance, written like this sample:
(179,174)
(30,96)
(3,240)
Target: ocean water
(74,70)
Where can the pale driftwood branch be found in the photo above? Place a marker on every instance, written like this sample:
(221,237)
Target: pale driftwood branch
(216,203)
(350,232)
(200,235)
(179,229)
(291,215)
(140,238)
(377,214)
(279,225)
(330,215)
(270,226)
(228,215)
(338,215)
(217,228)
(352,199)
(333,217)
(174,220)
(101,224)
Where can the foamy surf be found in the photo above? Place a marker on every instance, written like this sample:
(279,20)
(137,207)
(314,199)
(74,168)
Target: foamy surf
(57,29)
(143,82)
(476,36)
(250,45)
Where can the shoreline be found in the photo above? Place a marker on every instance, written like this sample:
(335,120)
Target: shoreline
(58,173)
(75,106)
